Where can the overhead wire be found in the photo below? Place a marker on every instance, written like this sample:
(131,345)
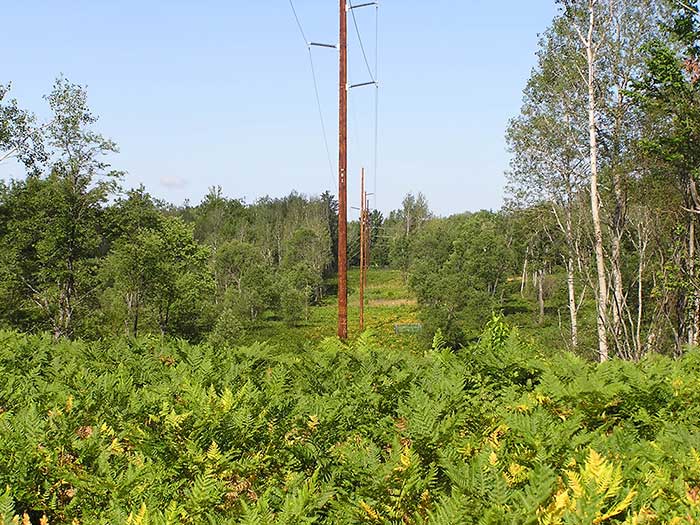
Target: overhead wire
(296,17)
(316,93)
(362,46)
(376,101)
(374,76)
(323,122)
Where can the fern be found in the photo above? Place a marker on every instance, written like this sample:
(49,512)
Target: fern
(7,510)
(493,433)
(593,494)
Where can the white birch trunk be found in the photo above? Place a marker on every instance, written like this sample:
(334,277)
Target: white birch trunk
(602,292)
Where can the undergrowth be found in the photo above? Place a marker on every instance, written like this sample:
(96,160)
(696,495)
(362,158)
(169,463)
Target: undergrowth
(148,432)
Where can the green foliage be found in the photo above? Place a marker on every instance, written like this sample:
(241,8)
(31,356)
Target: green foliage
(20,137)
(228,329)
(7,509)
(144,431)
(51,225)
(158,277)
(459,268)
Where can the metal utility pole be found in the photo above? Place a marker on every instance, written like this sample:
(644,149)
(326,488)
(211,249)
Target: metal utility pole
(342,176)
(363,254)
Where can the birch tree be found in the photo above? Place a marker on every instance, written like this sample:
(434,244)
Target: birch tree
(52,228)
(20,136)
(586,18)
(547,141)
(670,97)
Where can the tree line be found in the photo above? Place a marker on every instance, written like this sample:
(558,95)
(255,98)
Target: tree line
(605,159)
(602,201)
(597,237)
(602,197)
(82,257)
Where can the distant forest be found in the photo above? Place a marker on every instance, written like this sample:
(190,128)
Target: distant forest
(84,258)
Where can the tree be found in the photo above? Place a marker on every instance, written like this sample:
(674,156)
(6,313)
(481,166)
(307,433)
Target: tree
(128,273)
(547,138)
(161,275)
(458,271)
(22,210)
(53,224)
(80,182)
(379,247)
(20,137)
(586,17)
(244,279)
(629,27)
(669,94)
(414,212)
(400,227)
(330,205)
(218,219)
(306,257)
(579,122)
(130,213)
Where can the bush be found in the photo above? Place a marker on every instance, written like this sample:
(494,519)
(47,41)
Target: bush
(293,305)
(228,330)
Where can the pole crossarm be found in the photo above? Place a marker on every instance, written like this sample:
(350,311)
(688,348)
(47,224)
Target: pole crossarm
(318,44)
(363,84)
(367,4)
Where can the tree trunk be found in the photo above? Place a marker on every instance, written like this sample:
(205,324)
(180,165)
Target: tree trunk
(640,299)
(571,268)
(573,310)
(618,298)
(523,280)
(694,302)
(602,292)
(136,319)
(540,294)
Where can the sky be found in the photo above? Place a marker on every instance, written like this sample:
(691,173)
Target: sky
(220,93)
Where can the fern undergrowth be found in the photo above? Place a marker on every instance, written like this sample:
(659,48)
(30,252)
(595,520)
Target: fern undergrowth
(147,432)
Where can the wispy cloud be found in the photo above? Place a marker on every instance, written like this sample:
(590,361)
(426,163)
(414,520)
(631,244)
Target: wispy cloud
(173,182)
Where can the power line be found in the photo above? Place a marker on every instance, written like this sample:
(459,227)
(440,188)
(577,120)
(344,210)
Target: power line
(296,17)
(362,46)
(376,41)
(374,76)
(376,142)
(316,93)
(323,122)
(376,101)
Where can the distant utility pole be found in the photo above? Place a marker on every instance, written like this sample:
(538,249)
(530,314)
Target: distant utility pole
(342,176)
(363,252)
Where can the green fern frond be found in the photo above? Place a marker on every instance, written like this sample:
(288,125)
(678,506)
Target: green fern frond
(7,509)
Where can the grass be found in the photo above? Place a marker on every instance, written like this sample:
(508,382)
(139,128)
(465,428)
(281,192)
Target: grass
(553,333)
(388,302)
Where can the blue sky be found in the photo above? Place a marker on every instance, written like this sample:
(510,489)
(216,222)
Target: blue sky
(217,92)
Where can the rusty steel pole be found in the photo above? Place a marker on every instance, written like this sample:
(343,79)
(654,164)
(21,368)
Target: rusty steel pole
(342,176)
